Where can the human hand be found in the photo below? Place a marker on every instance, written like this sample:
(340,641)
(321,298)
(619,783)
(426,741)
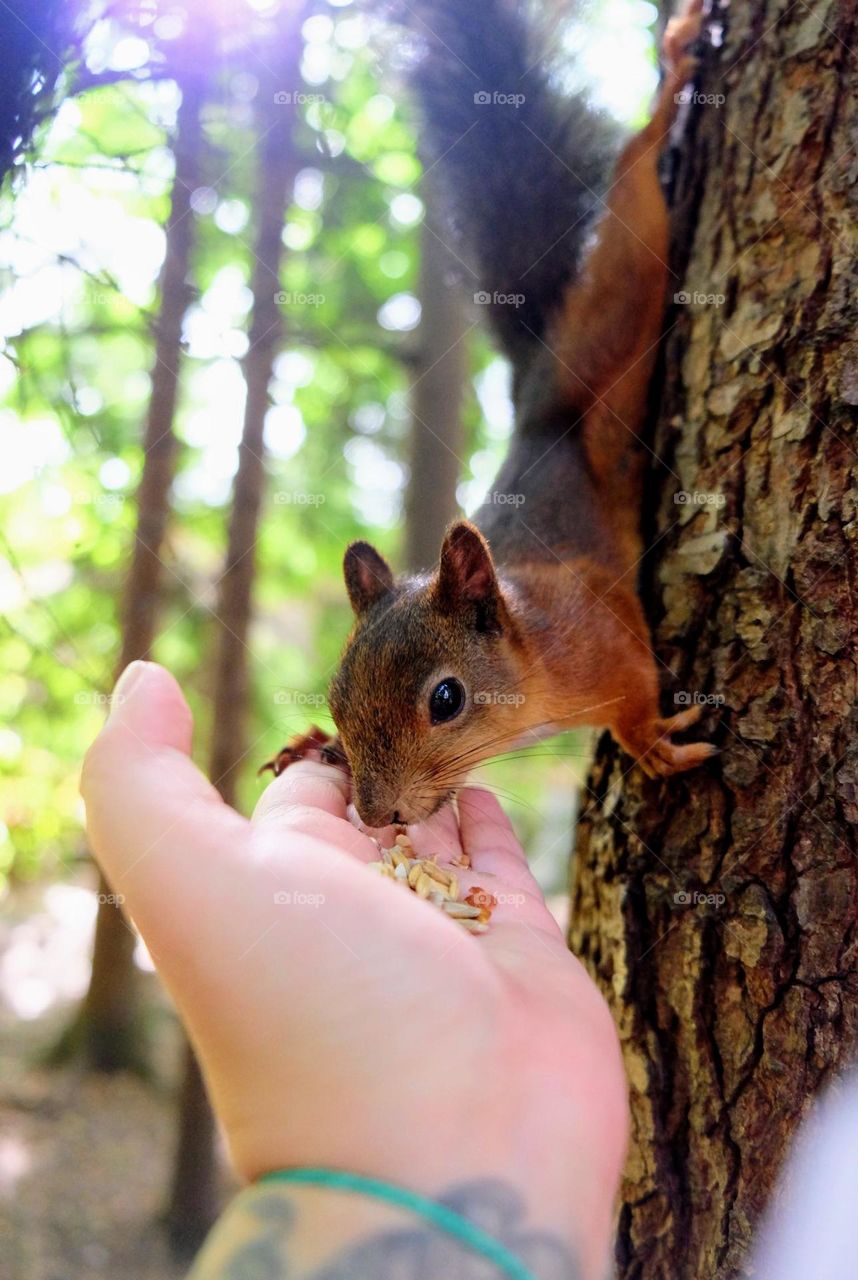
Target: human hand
(340,1020)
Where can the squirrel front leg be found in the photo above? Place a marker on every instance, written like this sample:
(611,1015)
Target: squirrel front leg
(315,744)
(621,680)
(648,738)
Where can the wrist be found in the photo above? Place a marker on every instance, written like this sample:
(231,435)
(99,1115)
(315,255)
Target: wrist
(305,1230)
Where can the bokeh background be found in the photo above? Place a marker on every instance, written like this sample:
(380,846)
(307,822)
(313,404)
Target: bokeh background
(232,339)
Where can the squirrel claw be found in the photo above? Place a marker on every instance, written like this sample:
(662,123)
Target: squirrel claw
(658,755)
(679,35)
(316,744)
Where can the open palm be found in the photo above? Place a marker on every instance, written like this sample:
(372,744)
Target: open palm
(340,1019)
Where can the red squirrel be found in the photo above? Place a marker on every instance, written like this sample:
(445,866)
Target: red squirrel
(530,623)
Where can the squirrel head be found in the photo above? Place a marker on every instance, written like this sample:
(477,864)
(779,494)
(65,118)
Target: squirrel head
(430,682)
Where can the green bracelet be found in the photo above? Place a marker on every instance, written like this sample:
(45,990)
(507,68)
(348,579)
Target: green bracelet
(467,1233)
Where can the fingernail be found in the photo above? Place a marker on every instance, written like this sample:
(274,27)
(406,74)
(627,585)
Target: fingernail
(126,683)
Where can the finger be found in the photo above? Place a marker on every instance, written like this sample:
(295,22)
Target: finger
(312,798)
(150,812)
(308,784)
(489,840)
(438,837)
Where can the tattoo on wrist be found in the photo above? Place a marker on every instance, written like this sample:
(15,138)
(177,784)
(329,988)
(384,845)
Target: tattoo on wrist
(415,1250)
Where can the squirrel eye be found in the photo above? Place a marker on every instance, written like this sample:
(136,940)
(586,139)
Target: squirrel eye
(446,700)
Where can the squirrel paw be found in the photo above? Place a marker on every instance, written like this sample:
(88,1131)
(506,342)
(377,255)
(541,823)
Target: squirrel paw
(679,35)
(658,755)
(315,744)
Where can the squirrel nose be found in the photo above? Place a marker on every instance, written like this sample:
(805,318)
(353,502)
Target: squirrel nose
(376,801)
(376,818)
(373,814)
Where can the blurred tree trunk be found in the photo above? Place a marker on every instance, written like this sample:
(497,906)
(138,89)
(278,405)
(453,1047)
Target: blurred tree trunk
(438,374)
(107,1032)
(194,1197)
(718,910)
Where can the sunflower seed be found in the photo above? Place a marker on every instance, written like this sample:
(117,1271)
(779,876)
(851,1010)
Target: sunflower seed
(460,910)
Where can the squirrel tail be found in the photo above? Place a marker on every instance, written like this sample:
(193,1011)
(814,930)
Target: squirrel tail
(523,168)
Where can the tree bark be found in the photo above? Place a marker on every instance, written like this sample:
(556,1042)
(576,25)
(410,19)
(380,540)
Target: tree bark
(107,1032)
(735,1006)
(194,1198)
(438,381)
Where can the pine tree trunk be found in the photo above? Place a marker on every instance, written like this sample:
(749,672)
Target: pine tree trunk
(194,1198)
(718,910)
(437,390)
(107,1032)
(195,1192)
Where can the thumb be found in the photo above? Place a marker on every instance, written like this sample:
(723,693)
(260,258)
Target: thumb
(148,704)
(311,799)
(308,784)
(145,799)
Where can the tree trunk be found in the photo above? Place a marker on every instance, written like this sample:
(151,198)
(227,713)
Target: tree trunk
(194,1198)
(437,390)
(718,910)
(195,1195)
(107,1031)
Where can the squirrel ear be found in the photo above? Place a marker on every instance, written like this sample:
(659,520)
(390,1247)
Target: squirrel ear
(466,575)
(367,574)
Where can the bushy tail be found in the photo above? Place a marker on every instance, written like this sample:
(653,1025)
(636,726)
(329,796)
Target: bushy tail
(524,167)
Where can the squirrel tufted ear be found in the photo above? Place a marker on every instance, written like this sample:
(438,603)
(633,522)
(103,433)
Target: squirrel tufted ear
(466,575)
(367,574)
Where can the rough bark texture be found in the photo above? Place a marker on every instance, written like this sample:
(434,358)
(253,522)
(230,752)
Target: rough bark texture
(437,390)
(195,1196)
(108,1025)
(735,1010)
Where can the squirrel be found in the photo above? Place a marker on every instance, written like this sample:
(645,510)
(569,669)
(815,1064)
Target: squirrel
(530,623)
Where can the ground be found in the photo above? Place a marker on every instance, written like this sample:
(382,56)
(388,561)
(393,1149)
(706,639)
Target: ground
(84,1161)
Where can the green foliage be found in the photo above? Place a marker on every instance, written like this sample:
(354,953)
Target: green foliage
(80,250)
(36,38)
